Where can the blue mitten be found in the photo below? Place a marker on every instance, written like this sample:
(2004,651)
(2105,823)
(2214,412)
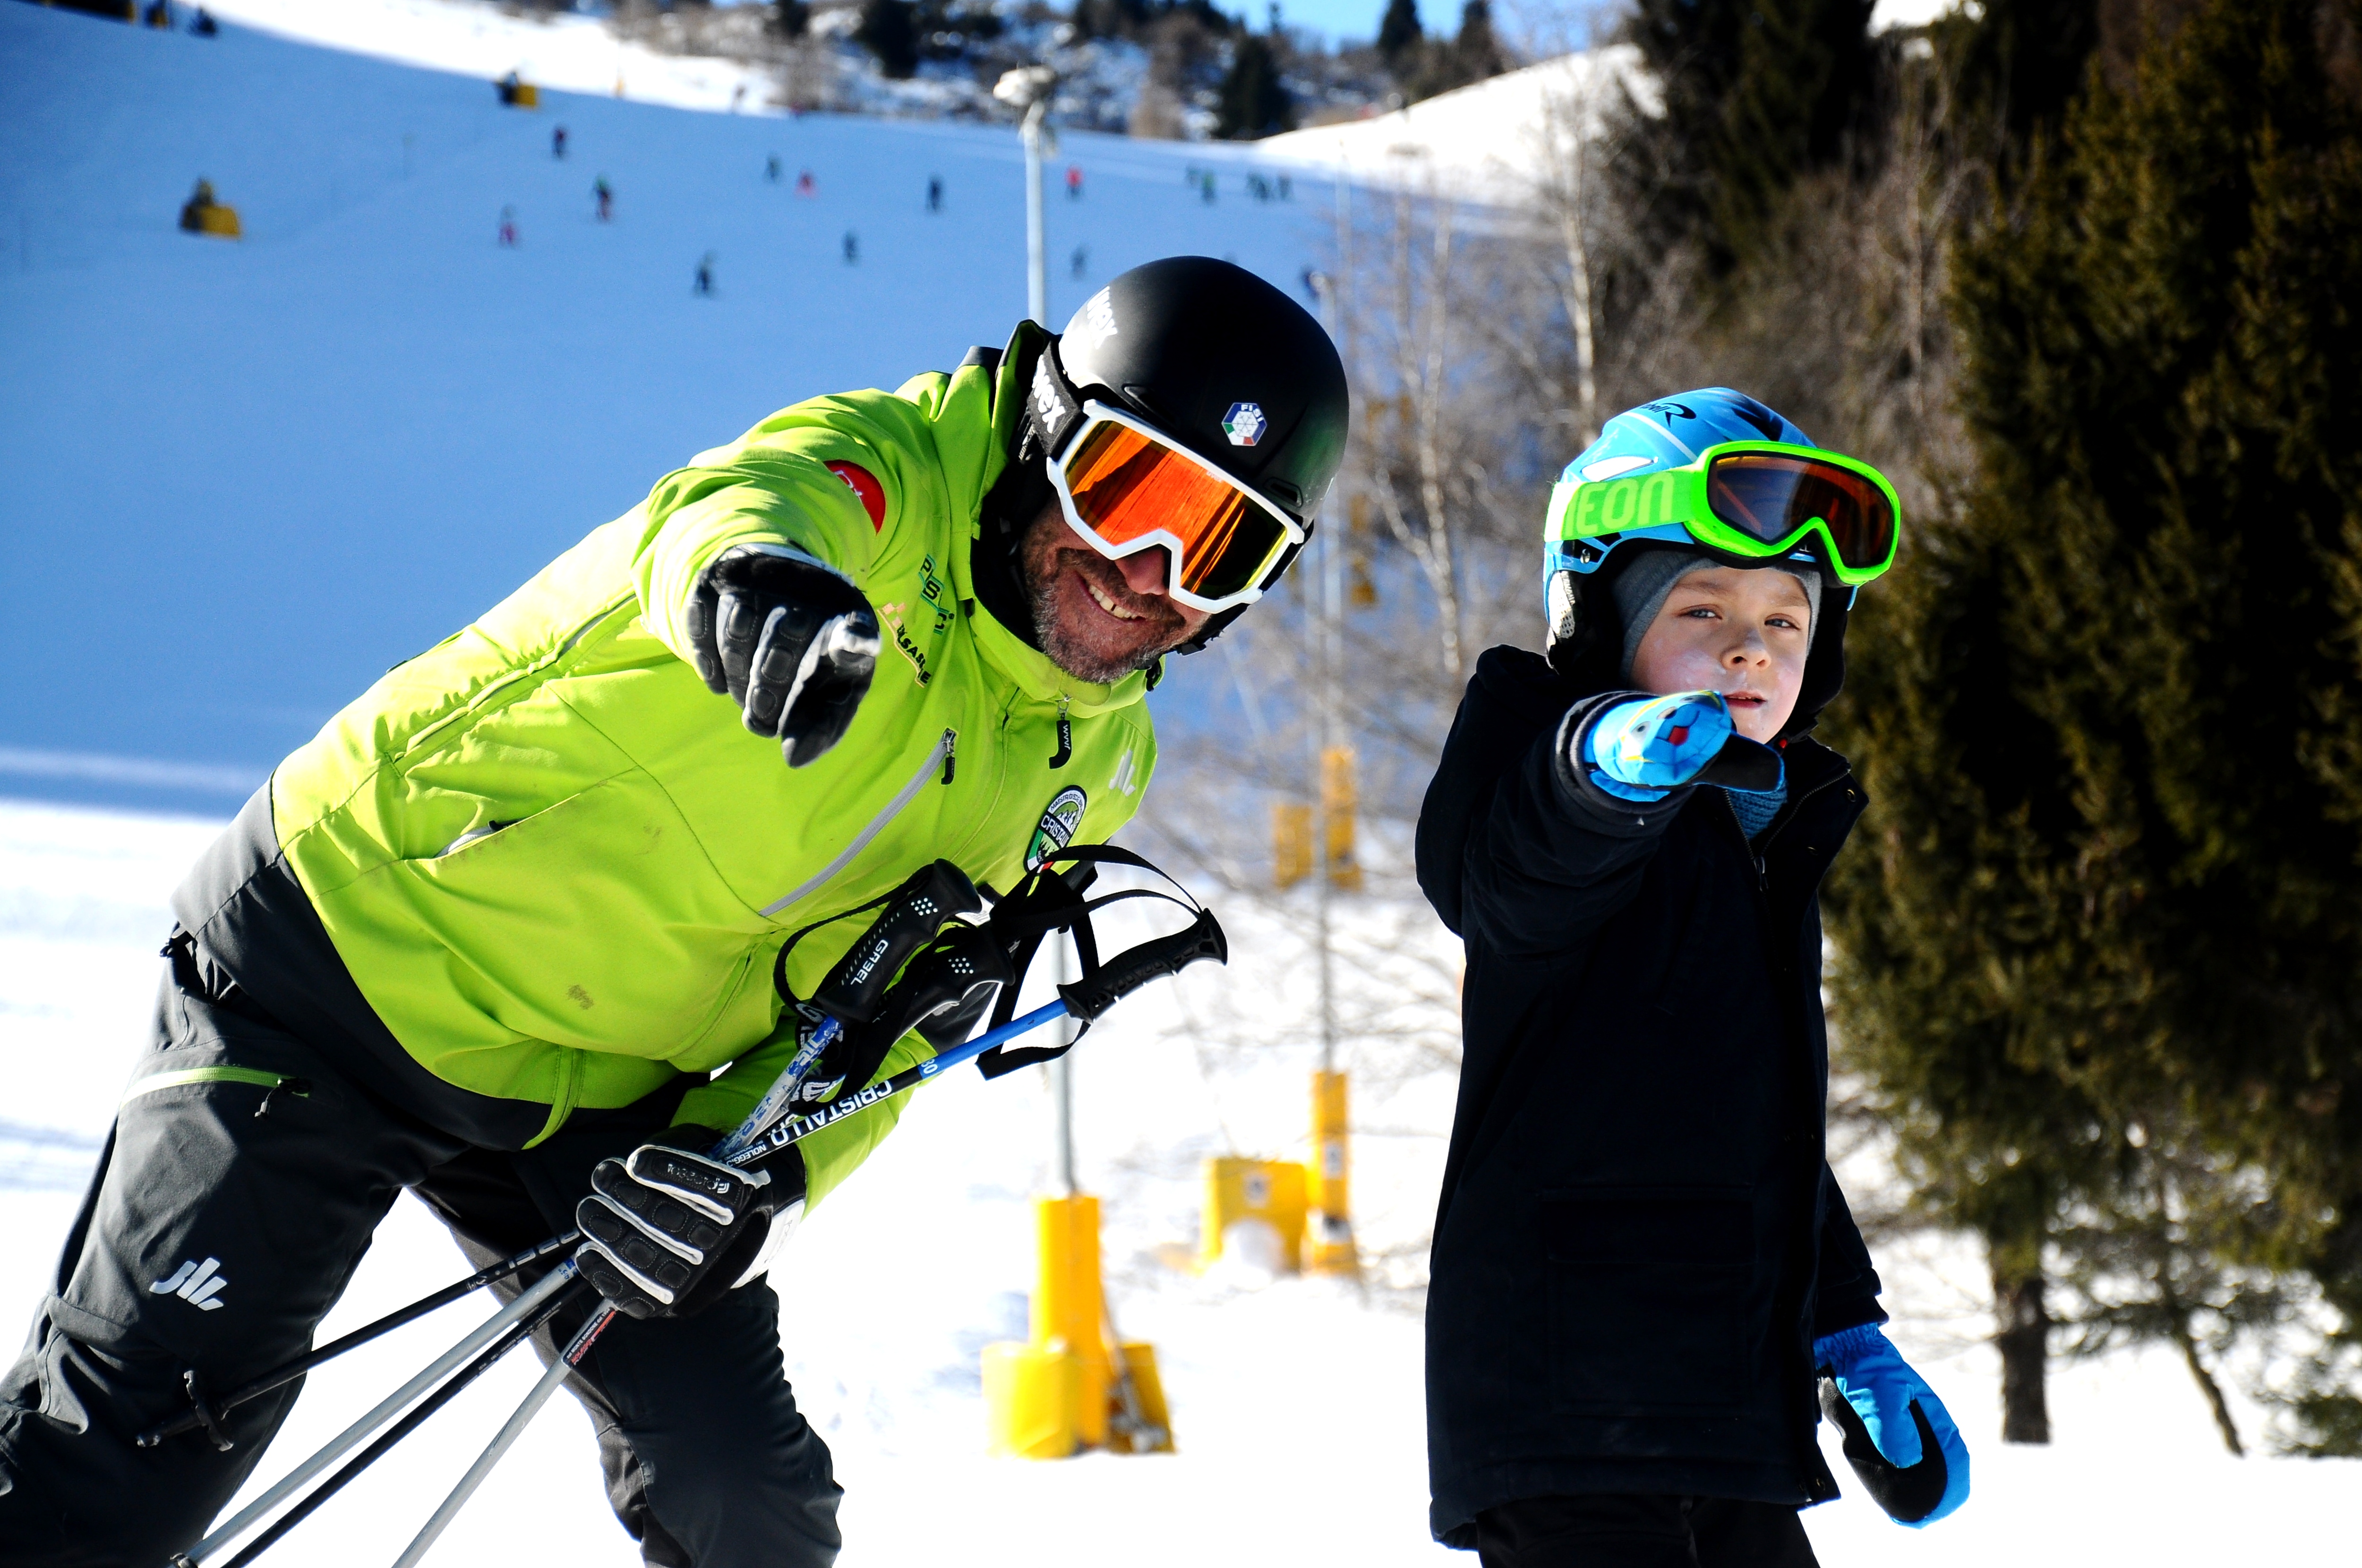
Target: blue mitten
(1898,1435)
(1645,748)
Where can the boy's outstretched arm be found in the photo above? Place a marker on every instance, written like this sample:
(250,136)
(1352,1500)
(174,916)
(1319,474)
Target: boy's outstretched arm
(1552,855)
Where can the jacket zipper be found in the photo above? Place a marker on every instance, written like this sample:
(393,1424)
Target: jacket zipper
(1066,752)
(941,753)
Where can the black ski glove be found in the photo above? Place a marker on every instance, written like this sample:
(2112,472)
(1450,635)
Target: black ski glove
(665,1230)
(791,642)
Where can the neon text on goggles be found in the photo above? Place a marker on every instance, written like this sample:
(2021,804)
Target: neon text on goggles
(1125,487)
(1759,500)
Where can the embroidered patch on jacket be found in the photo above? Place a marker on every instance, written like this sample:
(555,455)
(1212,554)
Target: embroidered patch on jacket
(863,483)
(1056,828)
(932,612)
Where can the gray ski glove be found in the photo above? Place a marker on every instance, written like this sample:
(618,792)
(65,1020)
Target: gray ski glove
(666,1231)
(791,642)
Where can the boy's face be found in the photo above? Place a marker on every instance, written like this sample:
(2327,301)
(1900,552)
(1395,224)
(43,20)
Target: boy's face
(1743,633)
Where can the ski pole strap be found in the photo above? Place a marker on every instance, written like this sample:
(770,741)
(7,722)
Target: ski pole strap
(908,920)
(1048,900)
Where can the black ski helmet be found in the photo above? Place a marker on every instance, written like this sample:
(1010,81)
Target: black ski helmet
(1219,360)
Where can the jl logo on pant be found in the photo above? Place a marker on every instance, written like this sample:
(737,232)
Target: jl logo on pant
(196,1284)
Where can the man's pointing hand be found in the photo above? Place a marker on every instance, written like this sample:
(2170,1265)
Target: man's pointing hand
(791,642)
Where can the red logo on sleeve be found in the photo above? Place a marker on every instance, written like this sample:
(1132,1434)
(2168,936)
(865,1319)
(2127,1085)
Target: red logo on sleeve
(863,483)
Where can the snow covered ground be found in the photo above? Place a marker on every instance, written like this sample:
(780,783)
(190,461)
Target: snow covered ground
(242,479)
(1295,1403)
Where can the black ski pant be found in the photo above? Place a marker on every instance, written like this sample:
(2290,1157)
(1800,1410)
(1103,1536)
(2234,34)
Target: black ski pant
(237,1194)
(1634,1530)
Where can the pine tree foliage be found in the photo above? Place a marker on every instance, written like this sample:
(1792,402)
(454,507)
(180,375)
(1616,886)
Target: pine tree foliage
(1755,97)
(2111,898)
(1399,30)
(1255,102)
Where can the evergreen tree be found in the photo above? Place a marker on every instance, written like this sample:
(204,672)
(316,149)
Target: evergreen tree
(2017,63)
(1755,95)
(890,30)
(1398,31)
(1255,102)
(1479,53)
(2106,710)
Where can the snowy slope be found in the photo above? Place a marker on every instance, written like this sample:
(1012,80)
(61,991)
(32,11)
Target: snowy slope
(1496,140)
(570,54)
(244,479)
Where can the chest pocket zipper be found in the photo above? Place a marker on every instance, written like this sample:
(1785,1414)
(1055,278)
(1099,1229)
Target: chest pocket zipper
(942,752)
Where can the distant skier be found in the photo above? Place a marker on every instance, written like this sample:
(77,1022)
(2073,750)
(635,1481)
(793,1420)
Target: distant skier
(771,169)
(1079,262)
(508,231)
(1642,1265)
(1073,182)
(852,248)
(558,141)
(805,185)
(703,287)
(1206,187)
(737,97)
(510,87)
(605,194)
(159,15)
(935,192)
(510,931)
(192,211)
(1313,282)
(1286,190)
(203,26)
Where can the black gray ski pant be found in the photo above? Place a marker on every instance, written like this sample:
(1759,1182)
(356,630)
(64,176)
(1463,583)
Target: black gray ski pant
(1636,1531)
(237,1194)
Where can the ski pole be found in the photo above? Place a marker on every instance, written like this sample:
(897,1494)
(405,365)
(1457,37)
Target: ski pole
(750,1143)
(516,1334)
(303,1363)
(503,1439)
(201,1555)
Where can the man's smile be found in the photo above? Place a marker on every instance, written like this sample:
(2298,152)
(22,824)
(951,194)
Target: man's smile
(1106,602)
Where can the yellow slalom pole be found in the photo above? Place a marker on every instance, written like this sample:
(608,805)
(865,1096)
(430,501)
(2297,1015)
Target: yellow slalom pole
(1069,1310)
(1330,1177)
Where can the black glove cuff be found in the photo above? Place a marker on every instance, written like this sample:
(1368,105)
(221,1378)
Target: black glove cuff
(784,1167)
(745,568)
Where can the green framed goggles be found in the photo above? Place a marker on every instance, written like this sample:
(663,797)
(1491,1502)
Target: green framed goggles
(1759,500)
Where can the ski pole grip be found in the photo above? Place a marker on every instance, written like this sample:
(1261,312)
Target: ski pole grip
(1130,970)
(854,990)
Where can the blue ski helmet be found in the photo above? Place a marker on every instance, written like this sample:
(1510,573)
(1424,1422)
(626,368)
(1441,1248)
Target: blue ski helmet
(1663,433)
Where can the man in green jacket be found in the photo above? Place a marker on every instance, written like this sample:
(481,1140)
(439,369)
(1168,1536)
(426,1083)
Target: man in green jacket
(508,931)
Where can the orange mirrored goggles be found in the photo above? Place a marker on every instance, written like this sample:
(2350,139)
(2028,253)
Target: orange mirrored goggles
(1126,488)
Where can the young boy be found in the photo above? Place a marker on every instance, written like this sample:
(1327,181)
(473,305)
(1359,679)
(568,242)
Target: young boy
(1641,1261)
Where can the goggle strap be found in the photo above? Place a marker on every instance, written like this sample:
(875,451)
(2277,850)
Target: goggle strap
(1057,411)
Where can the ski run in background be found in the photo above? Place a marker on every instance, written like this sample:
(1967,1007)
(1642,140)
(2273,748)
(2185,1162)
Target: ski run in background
(317,450)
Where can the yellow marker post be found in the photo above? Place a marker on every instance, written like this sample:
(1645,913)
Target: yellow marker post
(1069,1309)
(1328,1181)
(1270,1191)
(1029,1400)
(1339,798)
(1291,843)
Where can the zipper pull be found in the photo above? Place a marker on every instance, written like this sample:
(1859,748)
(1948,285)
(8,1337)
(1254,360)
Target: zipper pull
(1066,752)
(951,753)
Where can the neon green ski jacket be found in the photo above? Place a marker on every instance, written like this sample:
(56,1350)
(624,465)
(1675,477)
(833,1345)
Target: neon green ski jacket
(560,870)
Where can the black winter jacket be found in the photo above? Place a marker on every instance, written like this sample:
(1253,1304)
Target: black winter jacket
(1639,1237)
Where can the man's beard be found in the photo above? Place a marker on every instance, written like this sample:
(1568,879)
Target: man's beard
(1038,561)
